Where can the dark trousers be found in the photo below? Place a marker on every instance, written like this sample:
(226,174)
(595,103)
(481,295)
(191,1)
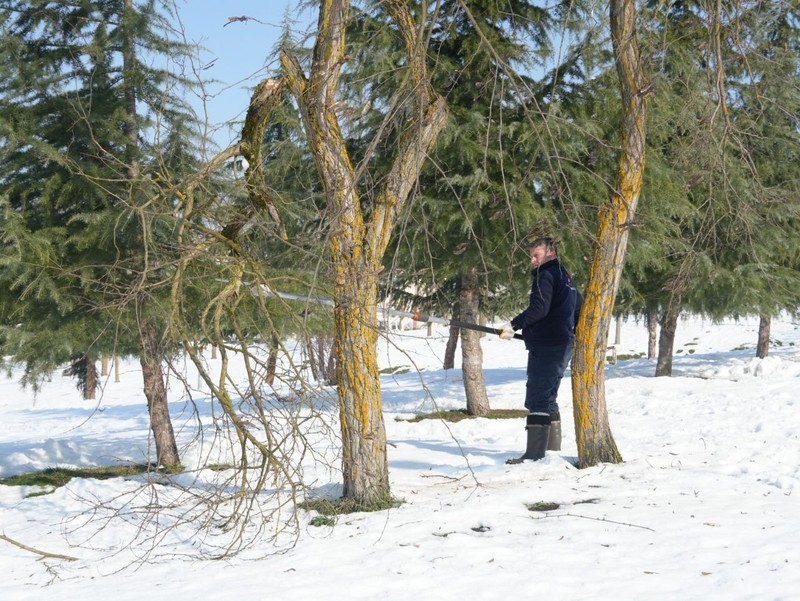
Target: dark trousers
(546,366)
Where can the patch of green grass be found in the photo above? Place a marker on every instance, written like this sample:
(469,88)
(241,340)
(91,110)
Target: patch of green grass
(220,467)
(542,506)
(624,357)
(330,509)
(396,371)
(323,520)
(456,415)
(749,347)
(55,477)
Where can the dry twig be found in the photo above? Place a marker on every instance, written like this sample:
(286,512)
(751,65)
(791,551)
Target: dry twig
(37,551)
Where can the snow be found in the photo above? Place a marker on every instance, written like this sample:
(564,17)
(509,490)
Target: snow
(704,505)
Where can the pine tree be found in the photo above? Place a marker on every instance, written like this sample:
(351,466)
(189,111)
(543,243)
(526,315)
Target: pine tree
(459,240)
(717,213)
(92,133)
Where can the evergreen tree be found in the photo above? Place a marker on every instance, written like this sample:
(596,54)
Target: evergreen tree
(92,134)
(722,212)
(709,183)
(459,240)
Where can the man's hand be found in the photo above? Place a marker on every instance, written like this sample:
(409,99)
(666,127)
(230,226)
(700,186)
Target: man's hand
(506,332)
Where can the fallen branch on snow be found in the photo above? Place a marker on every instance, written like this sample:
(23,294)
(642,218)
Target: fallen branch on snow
(37,551)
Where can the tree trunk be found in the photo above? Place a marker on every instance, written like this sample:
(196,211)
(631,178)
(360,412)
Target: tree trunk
(764,326)
(357,245)
(104,365)
(325,361)
(156,393)
(617,339)
(272,358)
(151,352)
(330,369)
(452,341)
(90,387)
(116,368)
(82,368)
(311,357)
(592,431)
(666,341)
(365,467)
(652,333)
(450,349)
(471,352)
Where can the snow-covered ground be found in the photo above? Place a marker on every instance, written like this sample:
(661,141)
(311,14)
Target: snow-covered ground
(704,506)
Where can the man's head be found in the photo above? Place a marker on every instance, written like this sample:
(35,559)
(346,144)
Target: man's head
(542,251)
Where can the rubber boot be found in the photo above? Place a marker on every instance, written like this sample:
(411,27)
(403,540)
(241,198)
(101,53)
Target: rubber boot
(554,442)
(538,436)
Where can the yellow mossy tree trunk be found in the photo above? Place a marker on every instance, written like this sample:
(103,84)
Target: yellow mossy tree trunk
(357,243)
(592,431)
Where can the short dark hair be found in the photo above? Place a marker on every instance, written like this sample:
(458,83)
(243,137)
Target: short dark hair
(548,244)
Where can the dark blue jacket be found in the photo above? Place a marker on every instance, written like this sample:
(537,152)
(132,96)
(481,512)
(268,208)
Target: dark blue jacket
(553,309)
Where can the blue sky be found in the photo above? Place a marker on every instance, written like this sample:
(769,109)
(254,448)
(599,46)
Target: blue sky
(238,55)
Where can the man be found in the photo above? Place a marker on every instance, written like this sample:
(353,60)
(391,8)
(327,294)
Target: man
(548,328)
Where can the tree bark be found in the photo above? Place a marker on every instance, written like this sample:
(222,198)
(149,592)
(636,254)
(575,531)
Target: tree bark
(151,352)
(330,368)
(357,244)
(471,352)
(365,467)
(156,393)
(90,391)
(310,353)
(652,333)
(666,341)
(83,369)
(592,431)
(272,358)
(452,341)
(764,326)
(325,365)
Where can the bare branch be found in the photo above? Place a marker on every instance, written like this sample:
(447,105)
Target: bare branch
(37,551)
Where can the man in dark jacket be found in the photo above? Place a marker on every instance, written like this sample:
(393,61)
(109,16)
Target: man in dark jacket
(548,328)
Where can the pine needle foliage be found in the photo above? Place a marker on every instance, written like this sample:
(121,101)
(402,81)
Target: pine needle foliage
(74,230)
(720,195)
(476,199)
